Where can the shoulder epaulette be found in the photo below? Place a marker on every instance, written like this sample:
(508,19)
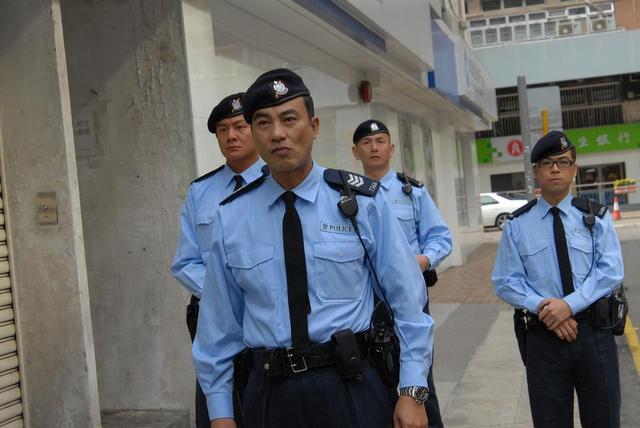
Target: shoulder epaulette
(589,206)
(523,209)
(415,183)
(249,187)
(208,174)
(358,183)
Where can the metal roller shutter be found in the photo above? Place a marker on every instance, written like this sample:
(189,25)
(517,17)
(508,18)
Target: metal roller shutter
(10,394)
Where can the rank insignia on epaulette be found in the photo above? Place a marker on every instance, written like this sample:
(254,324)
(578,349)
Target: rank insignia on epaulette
(358,183)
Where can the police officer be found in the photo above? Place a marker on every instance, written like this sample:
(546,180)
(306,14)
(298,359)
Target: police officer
(242,166)
(294,283)
(558,264)
(426,231)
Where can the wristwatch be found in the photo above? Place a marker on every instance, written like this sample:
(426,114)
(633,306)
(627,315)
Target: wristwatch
(418,393)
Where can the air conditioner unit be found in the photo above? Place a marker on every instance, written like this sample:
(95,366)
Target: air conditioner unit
(603,24)
(565,28)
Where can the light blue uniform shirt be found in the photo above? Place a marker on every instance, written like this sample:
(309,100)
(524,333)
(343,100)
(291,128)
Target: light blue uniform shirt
(248,307)
(423,226)
(526,268)
(198,212)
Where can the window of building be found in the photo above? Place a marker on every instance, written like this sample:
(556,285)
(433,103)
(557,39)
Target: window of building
(512,3)
(505,34)
(491,36)
(577,11)
(498,21)
(534,2)
(477,23)
(537,16)
(517,18)
(488,5)
(507,182)
(476,38)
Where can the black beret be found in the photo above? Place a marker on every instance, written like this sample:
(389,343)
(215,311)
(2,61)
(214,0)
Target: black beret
(230,106)
(369,127)
(551,144)
(271,89)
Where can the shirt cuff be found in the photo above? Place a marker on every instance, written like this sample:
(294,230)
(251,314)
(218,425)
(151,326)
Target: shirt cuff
(220,405)
(531,303)
(413,373)
(432,255)
(576,302)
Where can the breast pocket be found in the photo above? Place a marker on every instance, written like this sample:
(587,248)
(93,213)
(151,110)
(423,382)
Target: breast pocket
(408,223)
(581,255)
(339,270)
(255,272)
(536,259)
(205,222)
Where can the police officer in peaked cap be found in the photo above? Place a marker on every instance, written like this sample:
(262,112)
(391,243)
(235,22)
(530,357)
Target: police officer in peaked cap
(242,165)
(559,265)
(290,280)
(426,231)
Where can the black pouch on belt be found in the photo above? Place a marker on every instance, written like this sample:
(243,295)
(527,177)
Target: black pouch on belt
(346,353)
(430,277)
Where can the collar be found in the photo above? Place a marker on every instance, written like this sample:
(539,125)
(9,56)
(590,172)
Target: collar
(307,189)
(248,175)
(564,205)
(388,178)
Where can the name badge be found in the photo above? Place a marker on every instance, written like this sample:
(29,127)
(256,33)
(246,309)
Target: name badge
(336,228)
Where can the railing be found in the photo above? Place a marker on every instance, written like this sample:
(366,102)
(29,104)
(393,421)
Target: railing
(602,193)
(541,24)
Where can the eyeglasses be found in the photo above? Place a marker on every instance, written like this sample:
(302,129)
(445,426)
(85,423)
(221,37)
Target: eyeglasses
(562,163)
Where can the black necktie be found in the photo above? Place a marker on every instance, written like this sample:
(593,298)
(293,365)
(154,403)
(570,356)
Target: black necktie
(239,182)
(296,268)
(562,252)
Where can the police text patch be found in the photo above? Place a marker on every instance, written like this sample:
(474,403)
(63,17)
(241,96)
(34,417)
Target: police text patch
(336,228)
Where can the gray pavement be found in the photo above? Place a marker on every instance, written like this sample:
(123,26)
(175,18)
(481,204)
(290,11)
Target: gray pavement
(477,368)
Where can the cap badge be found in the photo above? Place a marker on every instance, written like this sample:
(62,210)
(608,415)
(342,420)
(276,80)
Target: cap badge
(563,143)
(236,105)
(374,127)
(280,88)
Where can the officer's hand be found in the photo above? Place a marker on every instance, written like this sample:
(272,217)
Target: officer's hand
(553,312)
(409,414)
(423,261)
(223,423)
(568,330)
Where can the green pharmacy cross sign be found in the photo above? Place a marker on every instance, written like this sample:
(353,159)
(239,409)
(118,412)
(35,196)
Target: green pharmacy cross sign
(587,140)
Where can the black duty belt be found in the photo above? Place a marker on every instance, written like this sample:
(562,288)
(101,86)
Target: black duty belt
(531,318)
(285,362)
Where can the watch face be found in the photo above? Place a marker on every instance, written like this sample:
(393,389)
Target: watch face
(421,393)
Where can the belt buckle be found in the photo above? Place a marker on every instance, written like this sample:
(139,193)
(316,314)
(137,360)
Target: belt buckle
(293,365)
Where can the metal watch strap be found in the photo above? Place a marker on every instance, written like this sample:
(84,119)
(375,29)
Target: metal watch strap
(418,393)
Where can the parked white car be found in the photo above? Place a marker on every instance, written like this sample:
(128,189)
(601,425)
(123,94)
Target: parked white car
(497,207)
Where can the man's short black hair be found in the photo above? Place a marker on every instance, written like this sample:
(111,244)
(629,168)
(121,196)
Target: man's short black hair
(308,103)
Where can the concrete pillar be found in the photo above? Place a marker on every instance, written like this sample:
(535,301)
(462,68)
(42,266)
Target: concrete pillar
(51,297)
(128,78)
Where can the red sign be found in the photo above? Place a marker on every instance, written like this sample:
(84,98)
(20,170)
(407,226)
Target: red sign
(514,147)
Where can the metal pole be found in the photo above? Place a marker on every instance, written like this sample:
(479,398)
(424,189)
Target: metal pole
(526,134)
